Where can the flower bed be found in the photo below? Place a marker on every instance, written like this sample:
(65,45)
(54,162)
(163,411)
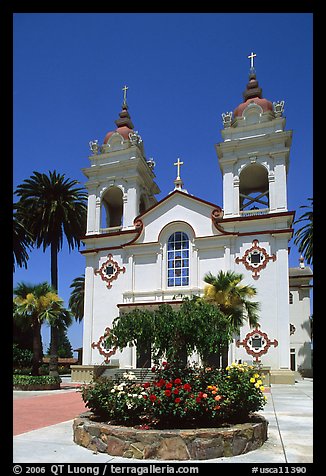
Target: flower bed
(188,413)
(178,398)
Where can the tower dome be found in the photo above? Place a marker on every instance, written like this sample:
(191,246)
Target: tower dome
(124,124)
(253,94)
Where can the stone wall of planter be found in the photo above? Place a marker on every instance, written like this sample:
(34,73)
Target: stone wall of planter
(185,444)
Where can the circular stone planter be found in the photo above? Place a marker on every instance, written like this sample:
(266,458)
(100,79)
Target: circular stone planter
(185,444)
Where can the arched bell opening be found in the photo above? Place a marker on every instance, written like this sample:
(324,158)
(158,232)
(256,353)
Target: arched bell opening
(112,208)
(253,188)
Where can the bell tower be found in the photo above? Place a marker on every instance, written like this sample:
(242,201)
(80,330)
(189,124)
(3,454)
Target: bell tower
(254,156)
(120,180)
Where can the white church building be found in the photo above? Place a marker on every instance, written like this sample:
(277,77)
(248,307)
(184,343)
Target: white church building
(141,252)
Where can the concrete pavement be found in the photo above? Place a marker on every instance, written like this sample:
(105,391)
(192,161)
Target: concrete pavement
(289,410)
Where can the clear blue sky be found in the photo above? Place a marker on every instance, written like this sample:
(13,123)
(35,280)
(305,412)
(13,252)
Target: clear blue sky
(183,71)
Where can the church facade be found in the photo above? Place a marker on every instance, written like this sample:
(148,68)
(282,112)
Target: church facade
(141,252)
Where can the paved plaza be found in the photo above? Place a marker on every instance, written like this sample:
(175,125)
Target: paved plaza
(43,428)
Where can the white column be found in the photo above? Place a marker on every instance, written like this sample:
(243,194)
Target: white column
(130,206)
(228,192)
(91,211)
(280,184)
(283,310)
(88,313)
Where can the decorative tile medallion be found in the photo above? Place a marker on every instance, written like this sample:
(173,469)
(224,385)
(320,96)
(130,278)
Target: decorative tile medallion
(255,259)
(110,270)
(100,345)
(257,343)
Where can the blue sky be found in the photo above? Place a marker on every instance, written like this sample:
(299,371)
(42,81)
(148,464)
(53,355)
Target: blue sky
(183,71)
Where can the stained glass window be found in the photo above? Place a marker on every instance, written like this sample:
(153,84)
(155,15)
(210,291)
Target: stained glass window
(178,259)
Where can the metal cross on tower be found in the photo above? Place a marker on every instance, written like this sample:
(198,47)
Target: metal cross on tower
(178,164)
(125,89)
(251,57)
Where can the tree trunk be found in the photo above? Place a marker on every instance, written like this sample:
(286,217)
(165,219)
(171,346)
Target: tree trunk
(37,353)
(53,364)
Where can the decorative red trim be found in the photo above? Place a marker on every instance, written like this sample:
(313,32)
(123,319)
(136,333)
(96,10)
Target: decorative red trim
(259,217)
(100,345)
(174,223)
(255,269)
(192,197)
(154,303)
(266,343)
(138,229)
(217,217)
(117,270)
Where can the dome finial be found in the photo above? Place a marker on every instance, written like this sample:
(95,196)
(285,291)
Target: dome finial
(124,104)
(252,68)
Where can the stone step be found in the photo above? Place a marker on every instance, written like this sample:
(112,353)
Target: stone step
(142,374)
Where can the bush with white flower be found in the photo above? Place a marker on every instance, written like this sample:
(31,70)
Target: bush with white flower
(185,397)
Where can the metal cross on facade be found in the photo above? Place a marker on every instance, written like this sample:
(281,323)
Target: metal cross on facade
(125,89)
(178,164)
(251,57)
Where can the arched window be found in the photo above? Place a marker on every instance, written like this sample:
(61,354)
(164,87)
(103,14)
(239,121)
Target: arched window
(178,259)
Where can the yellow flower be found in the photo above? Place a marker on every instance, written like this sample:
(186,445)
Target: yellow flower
(260,382)
(252,380)
(257,385)
(256,375)
(262,388)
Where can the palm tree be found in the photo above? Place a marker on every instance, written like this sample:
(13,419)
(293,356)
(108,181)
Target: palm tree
(53,208)
(76,300)
(304,239)
(233,299)
(33,305)
(22,242)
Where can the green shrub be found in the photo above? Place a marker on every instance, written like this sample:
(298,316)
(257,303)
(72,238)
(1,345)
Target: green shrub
(21,357)
(176,398)
(25,380)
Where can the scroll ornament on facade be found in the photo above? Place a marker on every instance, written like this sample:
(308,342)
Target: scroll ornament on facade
(110,270)
(255,259)
(100,345)
(257,343)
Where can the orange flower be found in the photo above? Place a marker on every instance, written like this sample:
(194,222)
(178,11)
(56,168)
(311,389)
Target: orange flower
(217,407)
(218,398)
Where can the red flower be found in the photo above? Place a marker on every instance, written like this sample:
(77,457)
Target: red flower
(168,385)
(200,394)
(177,381)
(145,397)
(167,393)
(176,391)
(152,398)
(146,384)
(198,399)
(187,387)
(164,363)
(177,400)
